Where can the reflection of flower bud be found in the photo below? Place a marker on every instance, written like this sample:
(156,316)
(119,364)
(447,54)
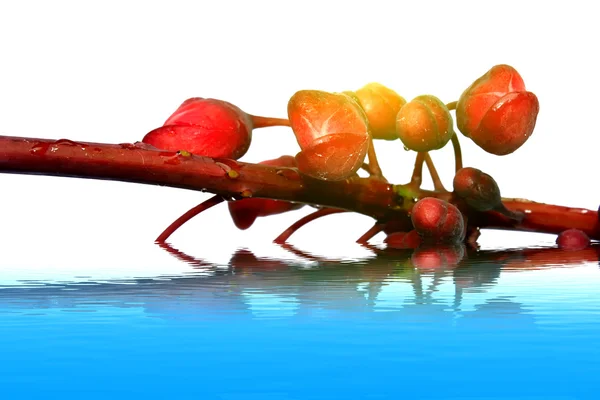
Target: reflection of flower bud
(206,127)
(381,105)
(244,259)
(479,190)
(424,124)
(438,257)
(438,221)
(496,111)
(332,131)
(245,211)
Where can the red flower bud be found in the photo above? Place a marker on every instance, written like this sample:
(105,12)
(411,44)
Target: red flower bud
(206,127)
(424,124)
(245,211)
(496,111)
(381,105)
(572,239)
(332,131)
(403,240)
(479,190)
(438,221)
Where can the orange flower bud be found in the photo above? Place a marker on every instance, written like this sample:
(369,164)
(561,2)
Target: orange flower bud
(424,124)
(496,111)
(332,131)
(381,105)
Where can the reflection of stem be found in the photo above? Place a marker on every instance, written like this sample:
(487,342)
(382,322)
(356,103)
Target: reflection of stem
(458,295)
(285,235)
(180,255)
(297,252)
(437,280)
(458,162)
(322,260)
(374,168)
(374,230)
(437,182)
(417,286)
(191,213)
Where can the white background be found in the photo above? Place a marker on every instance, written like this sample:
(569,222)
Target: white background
(111,71)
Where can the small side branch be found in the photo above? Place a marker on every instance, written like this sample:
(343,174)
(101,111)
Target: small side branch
(417,175)
(437,182)
(191,213)
(452,105)
(458,162)
(265,122)
(285,235)
(368,235)
(374,168)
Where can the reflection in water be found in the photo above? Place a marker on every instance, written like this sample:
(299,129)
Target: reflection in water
(521,323)
(271,288)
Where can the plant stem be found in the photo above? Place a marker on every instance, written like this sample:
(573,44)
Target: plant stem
(374,168)
(135,163)
(437,182)
(458,162)
(381,200)
(417,175)
(366,167)
(191,213)
(285,235)
(539,217)
(455,143)
(368,235)
(264,122)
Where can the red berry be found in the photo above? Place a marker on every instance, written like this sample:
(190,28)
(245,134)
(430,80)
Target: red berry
(424,124)
(438,221)
(572,239)
(332,131)
(403,240)
(206,127)
(496,111)
(479,190)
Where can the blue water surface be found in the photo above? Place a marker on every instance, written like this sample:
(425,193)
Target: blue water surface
(518,324)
